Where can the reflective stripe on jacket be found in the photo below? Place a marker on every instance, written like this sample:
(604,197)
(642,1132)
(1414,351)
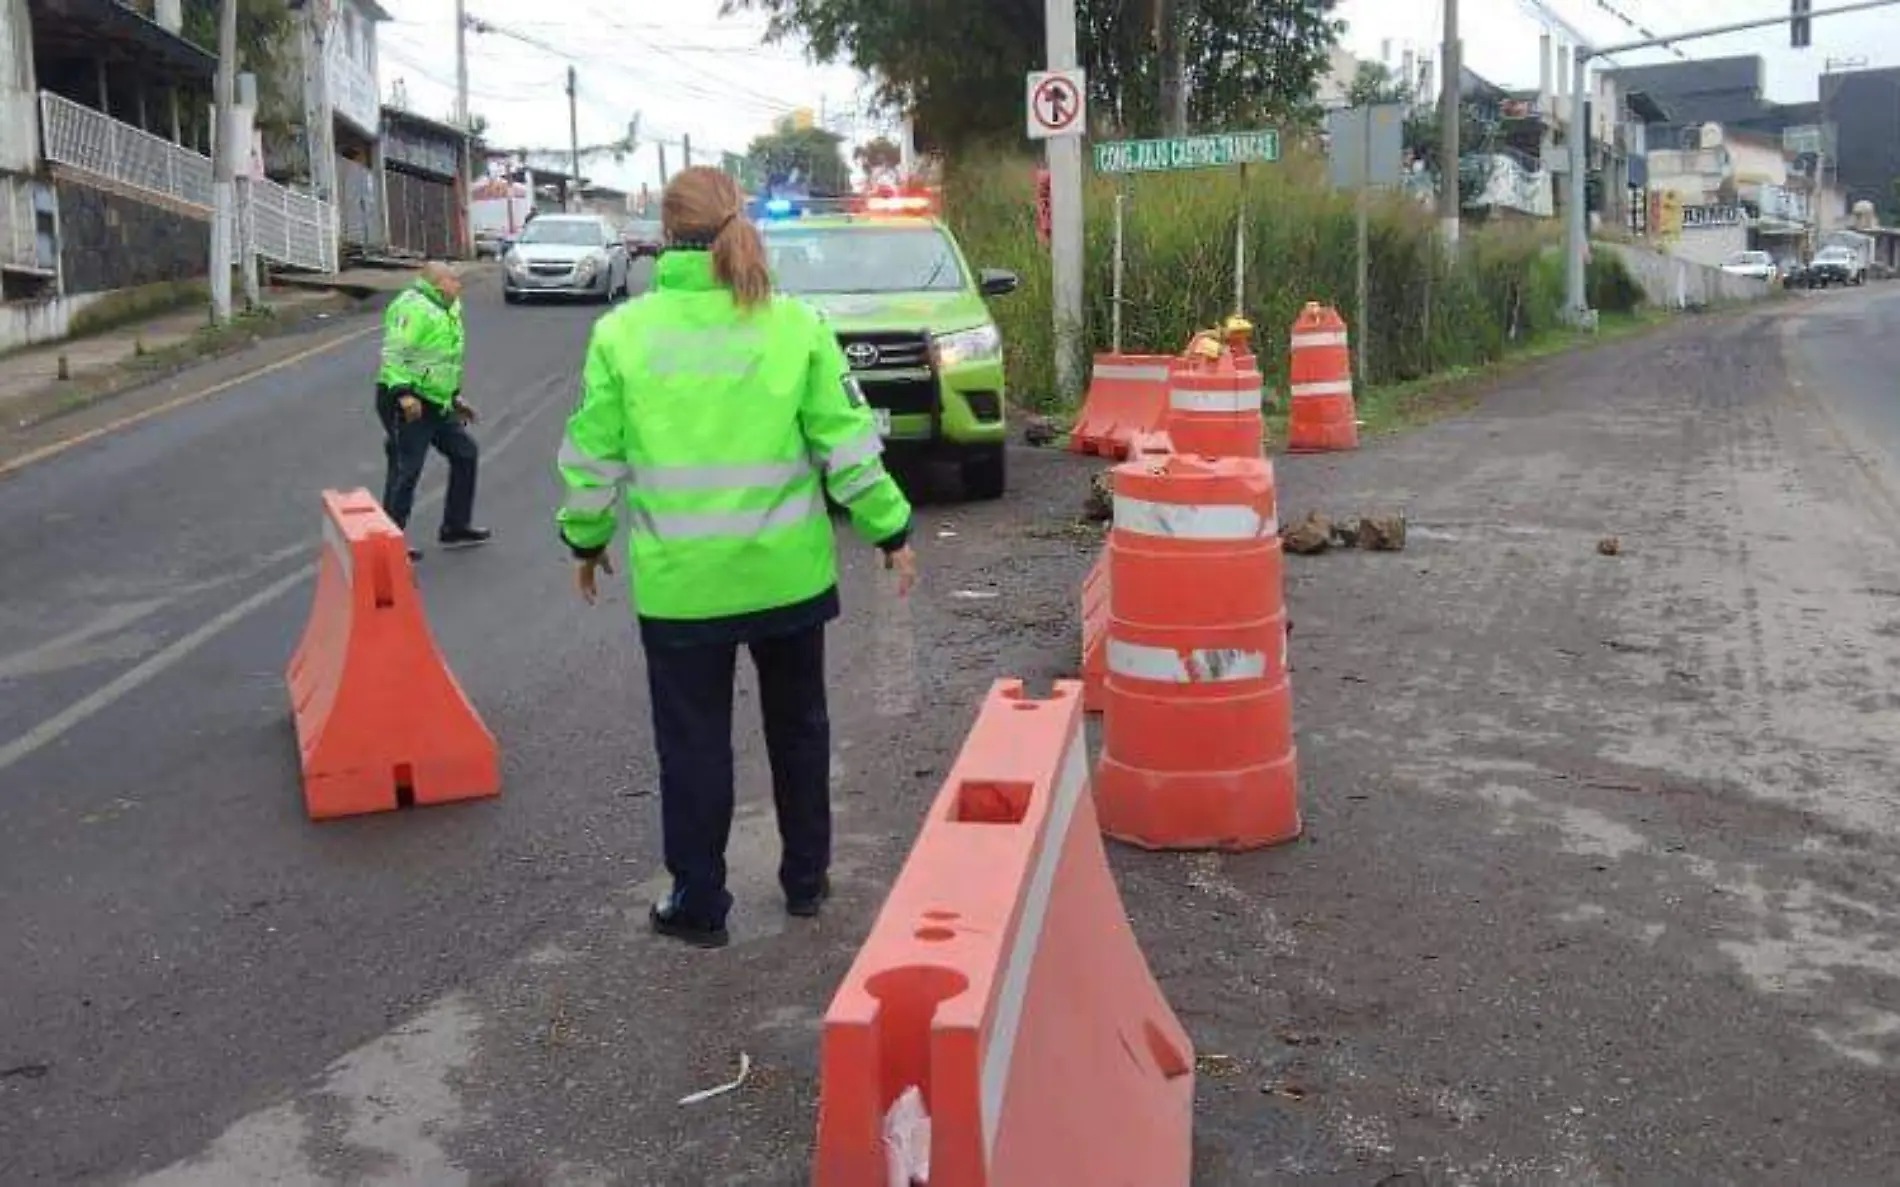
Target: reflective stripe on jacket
(423,344)
(721,429)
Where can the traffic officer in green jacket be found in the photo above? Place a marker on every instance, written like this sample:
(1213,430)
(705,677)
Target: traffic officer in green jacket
(419,402)
(725,414)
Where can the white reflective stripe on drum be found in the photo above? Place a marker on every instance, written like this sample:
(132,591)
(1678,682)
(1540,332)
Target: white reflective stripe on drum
(1130,371)
(1231,400)
(1203,665)
(1326,338)
(1072,782)
(1192,521)
(1332,387)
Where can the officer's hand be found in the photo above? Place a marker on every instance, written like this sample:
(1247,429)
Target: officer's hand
(584,576)
(466,413)
(411,408)
(904,561)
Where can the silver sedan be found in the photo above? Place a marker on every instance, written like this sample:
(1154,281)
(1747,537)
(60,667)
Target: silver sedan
(565,255)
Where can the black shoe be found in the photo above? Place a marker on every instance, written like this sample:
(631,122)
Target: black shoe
(415,554)
(807,906)
(464,537)
(668,921)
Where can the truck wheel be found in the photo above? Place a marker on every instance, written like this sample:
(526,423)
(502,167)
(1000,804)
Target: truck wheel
(985,472)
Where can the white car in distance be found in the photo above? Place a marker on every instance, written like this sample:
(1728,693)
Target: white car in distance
(1757,264)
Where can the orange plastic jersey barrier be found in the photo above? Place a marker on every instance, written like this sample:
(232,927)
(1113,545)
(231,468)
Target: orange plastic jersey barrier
(1197,726)
(381,721)
(1128,394)
(1001,998)
(1321,417)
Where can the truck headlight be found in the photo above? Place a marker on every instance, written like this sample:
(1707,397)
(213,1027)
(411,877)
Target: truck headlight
(980,345)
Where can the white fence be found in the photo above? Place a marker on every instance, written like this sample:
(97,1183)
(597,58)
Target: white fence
(292,228)
(81,138)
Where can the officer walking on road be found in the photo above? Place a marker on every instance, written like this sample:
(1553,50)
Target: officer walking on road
(419,402)
(727,414)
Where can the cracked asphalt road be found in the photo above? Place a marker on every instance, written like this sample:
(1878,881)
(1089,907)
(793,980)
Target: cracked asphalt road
(1597,885)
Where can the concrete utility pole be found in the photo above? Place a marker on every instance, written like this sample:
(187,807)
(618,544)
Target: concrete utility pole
(1065,213)
(223,173)
(462,118)
(465,120)
(1450,103)
(1576,289)
(661,146)
(246,211)
(686,150)
(574,134)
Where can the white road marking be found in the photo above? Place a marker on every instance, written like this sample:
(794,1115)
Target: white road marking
(162,661)
(399,1105)
(124,422)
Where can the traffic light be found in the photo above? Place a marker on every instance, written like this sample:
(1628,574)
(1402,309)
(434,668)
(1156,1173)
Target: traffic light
(1800,30)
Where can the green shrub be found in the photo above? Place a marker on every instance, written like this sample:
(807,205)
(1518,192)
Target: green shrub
(1428,311)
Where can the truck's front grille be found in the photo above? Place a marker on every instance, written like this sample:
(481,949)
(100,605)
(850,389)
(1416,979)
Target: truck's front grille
(902,397)
(885,351)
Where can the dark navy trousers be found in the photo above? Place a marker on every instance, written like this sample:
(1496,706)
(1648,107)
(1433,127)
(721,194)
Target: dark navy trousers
(691,686)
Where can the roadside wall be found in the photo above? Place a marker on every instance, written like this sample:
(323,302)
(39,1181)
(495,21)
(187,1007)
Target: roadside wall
(109,241)
(1675,283)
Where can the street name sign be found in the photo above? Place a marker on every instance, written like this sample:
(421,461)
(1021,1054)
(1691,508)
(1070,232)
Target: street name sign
(1188,152)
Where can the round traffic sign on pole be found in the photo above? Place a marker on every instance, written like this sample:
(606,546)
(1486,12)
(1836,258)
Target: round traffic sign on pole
(1056,104)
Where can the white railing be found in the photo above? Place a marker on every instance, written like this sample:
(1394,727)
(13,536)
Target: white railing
(82,138)
(292,228)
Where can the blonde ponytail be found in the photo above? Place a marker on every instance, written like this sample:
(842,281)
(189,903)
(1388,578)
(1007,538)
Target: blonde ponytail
(702,207)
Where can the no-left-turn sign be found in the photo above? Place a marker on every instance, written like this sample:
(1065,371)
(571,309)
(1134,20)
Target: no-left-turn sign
(1058,104)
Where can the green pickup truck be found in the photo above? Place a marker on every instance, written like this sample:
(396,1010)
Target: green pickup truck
(910,315)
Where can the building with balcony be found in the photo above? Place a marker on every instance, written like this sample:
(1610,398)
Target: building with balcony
(1740,190)
(334,64)
(105,181)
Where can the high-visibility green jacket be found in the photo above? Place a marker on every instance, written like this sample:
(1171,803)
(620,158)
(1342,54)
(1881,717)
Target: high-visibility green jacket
(423,344)
(723,428)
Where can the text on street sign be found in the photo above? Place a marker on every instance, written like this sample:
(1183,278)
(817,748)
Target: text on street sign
(1188,152)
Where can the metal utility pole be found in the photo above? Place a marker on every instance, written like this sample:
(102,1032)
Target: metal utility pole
(574,133)
(223,174)
(1577,241)
(1065,213)
(686,150)
(1450,105)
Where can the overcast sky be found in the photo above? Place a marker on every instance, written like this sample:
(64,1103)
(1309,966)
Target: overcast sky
(1500,36)
(688,72)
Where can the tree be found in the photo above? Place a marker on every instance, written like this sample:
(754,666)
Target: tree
(875,155)
(956,66)
(265,32)
(811,155)
(1374,83)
